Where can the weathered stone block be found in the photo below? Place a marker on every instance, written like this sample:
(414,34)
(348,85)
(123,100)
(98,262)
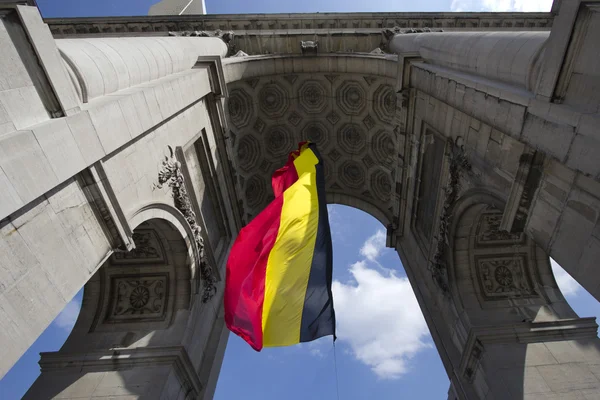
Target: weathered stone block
(59,146)
(568,376)
(9,198)
(86,137)
(24,106)
(25,165)
(110,124)
(550,137)
(543,219)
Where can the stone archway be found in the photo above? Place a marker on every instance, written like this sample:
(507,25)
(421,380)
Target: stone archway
(411,135)
(132,335)
(512,322)
(389,153)
(345,103)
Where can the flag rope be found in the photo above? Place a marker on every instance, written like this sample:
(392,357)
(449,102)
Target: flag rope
(337,383)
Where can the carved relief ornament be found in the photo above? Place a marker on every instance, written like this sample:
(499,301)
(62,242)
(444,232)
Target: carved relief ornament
(458,164)
(170,174)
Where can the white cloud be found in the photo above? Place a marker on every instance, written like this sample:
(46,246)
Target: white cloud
(567,285)
(378,316)
(501,5)
(373,246)
(66,319)
(316,348)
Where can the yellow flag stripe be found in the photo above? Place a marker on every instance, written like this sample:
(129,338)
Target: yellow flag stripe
(290,260)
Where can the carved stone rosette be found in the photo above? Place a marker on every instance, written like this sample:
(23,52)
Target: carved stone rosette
(458,163)
(171,175)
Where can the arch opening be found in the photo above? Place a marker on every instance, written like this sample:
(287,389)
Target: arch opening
(511,311)
(350,115)
(136,311)
(383,342)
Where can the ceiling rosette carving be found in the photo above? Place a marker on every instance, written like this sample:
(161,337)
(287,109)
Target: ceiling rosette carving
(350,117)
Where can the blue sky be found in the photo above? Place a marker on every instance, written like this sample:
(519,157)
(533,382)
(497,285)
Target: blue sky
(82,8)
(382,352)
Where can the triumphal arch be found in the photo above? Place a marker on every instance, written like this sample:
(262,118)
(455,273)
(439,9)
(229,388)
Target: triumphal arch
(132,151)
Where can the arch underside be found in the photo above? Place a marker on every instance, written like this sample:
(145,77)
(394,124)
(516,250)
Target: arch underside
(350,115)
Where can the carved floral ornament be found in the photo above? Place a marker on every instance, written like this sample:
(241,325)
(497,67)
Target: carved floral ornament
(171,175)
(458,164)
(140,296)
(504,276)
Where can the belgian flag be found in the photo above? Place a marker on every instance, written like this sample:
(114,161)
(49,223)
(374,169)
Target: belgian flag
(279,271)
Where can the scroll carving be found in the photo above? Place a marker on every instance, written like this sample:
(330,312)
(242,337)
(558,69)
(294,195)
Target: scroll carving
(171,175)
(458,164)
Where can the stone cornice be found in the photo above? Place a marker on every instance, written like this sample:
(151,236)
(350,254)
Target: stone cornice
(532,332)
(243,24)
(121,359)
(526,332)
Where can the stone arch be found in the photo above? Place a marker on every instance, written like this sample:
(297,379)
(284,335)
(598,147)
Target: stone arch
(345,200)
(346,103)
(496,276)
(137,311)
(512,320)
(174,218)
(136,292)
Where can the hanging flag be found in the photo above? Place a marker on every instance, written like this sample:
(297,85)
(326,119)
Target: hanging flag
(278,284)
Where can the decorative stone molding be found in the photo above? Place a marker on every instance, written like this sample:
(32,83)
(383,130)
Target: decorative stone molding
(240,53)
(351,97)
(522,191)
(273,100)
(535,332)
(99,193)
(138,298)
(313,97)
(489,232)
(377,51)
(309,47)
(504,276)
(123,359)
(458,163)
(239,105)
(225,36)
(148,249)
(171,175)
(472,363)
(525,332)
(268,23)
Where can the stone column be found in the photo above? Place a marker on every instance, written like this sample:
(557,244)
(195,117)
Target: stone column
(101,66)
